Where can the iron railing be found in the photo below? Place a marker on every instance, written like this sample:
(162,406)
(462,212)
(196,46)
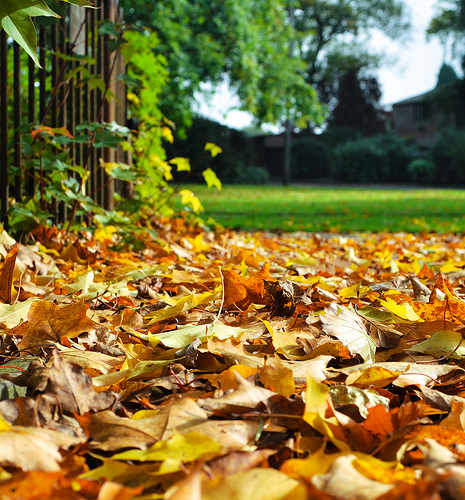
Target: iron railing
(49,96)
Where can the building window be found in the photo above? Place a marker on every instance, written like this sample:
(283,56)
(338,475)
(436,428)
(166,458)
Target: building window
(422,111)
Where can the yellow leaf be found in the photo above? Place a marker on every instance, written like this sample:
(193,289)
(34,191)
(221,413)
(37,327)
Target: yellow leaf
(317,400)
(4,425)
(354,290)
(167,134)
(404,310)
(213,148)
(211,179)
(175,451)
(255,484)
(182,164)
(316,463)
(189,198)
(277,377)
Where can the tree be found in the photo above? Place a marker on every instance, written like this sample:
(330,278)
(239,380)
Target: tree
(245,43)
(322,24)
(449,25)
(357,104)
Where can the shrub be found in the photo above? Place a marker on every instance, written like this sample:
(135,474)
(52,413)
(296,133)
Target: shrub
(234,144)
(448,153)
(248,175)
(400,152)
(360,161)
(422,171)
(309,159)
(337,135)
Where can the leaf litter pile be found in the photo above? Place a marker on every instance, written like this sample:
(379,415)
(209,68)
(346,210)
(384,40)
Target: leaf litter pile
(232,365)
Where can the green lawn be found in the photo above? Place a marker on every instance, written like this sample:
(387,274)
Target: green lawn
(335,209)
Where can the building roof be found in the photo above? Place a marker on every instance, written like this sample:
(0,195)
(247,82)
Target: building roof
(426,96)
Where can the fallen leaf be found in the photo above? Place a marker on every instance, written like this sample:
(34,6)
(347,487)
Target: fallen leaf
(346,326)
(6,275)
(250,486)
(47,321)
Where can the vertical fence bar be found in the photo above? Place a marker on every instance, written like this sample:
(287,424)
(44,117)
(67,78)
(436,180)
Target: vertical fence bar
(17,118)
(31,116)
(109,7)
(4,128)
(99,179)
(54,75)
(42,76)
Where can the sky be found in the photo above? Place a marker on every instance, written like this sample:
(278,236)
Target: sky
(411,68)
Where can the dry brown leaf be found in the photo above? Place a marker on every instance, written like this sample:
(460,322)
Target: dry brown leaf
(6,275)
(47,321)
(246,397)
(70,385)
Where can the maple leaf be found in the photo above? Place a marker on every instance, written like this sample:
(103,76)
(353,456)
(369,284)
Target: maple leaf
(47,321)
(241,292)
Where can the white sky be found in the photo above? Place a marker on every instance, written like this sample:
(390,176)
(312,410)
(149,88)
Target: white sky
(413,68)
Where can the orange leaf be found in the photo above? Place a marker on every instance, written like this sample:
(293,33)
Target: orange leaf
(378,422)
(6,275)
(48,321)
(242,292)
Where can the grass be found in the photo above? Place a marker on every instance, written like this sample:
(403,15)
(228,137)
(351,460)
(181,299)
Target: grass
(319,209)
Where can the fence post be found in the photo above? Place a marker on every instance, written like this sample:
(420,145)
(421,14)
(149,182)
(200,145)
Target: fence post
(4,129)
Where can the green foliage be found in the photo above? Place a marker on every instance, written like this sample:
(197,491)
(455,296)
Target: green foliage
(235,146)
(250,175)
(360,161)
(449,23)
(323,25)
(15,19)
(309,159)
(381,158)
(61,184)
(339,135)
(357,105)
(399,151)
(245,43)
(422,171)
(448,153)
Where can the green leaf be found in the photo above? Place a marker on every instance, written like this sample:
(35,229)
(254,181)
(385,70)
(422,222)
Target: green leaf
(211,179)
(80,3)
(15,19)
(186,334)
(442,344)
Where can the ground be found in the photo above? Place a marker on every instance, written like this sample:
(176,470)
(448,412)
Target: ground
(243,365)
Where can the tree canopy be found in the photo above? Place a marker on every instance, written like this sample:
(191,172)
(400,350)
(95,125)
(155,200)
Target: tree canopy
(449,25)
(247,43)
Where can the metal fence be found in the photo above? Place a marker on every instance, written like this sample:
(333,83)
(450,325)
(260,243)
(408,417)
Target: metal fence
(55,96)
